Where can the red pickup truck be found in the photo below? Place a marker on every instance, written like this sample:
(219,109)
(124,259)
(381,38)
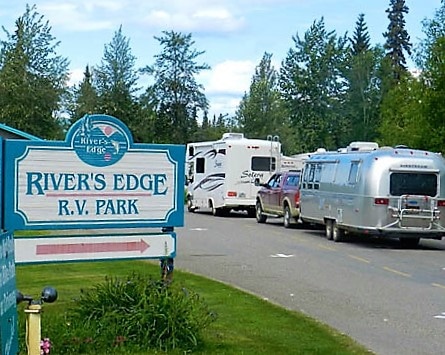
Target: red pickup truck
(279,197)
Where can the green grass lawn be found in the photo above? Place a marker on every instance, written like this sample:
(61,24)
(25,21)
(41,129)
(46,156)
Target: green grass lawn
(246,324)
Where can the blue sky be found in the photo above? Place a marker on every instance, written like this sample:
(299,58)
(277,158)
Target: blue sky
(233,33)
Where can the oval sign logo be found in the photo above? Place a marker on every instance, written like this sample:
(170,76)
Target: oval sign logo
(99,143)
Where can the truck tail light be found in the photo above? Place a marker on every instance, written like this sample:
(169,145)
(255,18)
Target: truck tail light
(297,198)
(440,203)
(231,193)
(381,201)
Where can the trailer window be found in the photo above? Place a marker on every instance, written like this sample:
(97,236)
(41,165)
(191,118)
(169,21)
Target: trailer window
(306,170)
(328,172)
(413,184)
(317,173)
(353,172)
(200,165)
(313,173)
(263,164)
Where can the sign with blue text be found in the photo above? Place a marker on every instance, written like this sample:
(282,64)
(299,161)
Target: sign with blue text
(96,178)
(8,308)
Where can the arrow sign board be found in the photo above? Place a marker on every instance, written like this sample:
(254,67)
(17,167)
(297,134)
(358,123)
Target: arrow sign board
(96,178)
(88,248)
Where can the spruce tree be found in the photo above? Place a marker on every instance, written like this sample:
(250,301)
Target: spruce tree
(397,39)
(364,92)
(360,39)
(116,80)
(86,100)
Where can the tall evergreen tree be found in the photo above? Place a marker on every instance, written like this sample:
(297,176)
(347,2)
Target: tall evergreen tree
(116,81)
(397,39)
(313,86)
(175,94)
(360,39)
(86,100)
(364,89)
(33,78)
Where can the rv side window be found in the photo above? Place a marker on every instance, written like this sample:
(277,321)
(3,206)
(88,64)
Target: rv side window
(200,165)
(314,172)
(191,151)
(413,184)
(328,172)
(317,173)
(263,164)
(306,171)
(353,172)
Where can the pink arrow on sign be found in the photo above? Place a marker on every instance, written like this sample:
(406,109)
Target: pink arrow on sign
(50,249)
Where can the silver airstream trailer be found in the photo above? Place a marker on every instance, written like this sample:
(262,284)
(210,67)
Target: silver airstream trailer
(363,189)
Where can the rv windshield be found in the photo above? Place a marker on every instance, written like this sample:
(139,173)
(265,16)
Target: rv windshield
(413,184)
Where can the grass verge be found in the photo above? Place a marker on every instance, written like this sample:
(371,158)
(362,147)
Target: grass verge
(246,324)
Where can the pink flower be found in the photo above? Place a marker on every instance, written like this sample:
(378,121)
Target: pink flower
(45,346)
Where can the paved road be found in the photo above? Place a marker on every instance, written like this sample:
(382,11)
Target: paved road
(390,299)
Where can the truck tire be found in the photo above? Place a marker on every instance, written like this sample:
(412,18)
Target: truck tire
(260,217)
(287,218)
(338,235)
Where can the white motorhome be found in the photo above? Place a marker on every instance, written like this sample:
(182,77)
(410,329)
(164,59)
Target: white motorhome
(225,174)
(387,192)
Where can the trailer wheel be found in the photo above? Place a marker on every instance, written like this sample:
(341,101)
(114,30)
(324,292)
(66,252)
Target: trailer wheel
(287,217)
(260,217)
(338,235)
(329,229)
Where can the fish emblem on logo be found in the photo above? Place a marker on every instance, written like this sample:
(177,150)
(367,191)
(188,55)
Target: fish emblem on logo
(99,142)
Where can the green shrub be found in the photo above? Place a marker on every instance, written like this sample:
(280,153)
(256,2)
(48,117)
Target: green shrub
(131,314)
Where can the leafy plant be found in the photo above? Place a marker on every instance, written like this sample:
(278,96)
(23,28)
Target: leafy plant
(135,313)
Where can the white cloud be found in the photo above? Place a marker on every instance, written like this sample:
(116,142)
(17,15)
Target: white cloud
(225,85)
(229,77)
(223,105)
(211,20)
(91,15)
(73,16)
(75,76)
